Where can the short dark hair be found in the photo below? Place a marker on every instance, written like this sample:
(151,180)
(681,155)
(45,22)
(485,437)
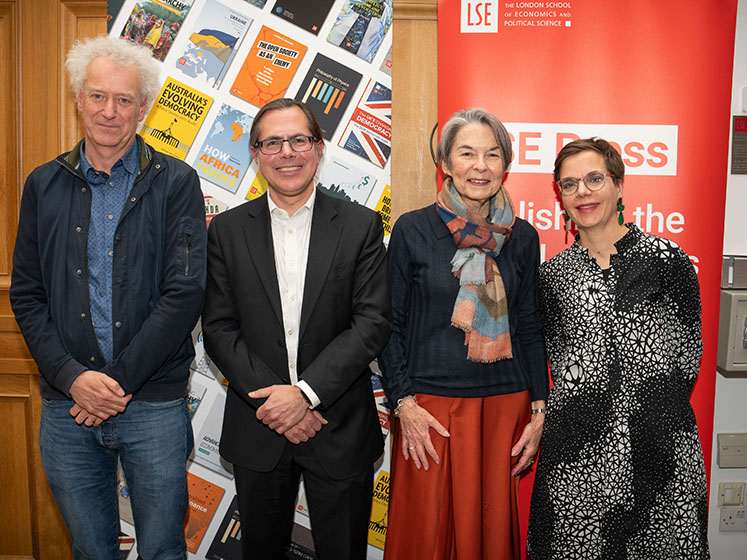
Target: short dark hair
(612,159)
(285,103)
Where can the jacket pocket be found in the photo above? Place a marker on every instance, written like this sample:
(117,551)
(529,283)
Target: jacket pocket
(191,251)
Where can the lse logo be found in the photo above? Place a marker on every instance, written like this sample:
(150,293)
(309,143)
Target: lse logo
(479,17)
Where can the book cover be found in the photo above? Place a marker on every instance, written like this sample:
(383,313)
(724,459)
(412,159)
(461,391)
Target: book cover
(384,208)
(175,118)
(361,26)
(345,181)
(386,64)
(326,89)
(268,68)
(213,207)
(304,13)
(368,134)
(259,3)
(123,497)
(204,498)
(302,544)
(226,543)
(202,363)
(206,445)
(212,46)
(379,520)
(302,505)
(225,156)
(382,406)
(112,11)
(194,397)
(126,543)
(155,24)
(258,187)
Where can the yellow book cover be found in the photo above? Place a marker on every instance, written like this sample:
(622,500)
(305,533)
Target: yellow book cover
(175,118)
(258,188)
(384,208)
(379,511)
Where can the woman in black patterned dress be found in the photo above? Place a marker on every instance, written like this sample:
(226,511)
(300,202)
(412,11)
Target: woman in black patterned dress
(620,473)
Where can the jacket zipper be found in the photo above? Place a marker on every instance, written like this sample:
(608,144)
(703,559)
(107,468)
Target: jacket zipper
(189,246)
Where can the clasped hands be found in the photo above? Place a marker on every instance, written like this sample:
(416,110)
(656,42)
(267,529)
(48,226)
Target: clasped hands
(97,397)
(286,412)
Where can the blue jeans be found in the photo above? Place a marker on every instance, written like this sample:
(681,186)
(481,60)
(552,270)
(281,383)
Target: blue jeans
(152,441)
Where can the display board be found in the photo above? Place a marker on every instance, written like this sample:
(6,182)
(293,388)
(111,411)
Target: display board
(221,60)
(652,77)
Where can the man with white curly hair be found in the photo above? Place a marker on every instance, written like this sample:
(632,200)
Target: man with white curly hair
(107,284)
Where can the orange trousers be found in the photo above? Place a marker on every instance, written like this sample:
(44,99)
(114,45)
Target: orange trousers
(465,507)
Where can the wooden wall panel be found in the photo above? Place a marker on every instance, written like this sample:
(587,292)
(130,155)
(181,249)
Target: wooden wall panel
(15,478)
(78,19)
(9,147)
(414,103)
(38,120)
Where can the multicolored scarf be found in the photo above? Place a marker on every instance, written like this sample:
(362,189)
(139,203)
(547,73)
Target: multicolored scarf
(480,310)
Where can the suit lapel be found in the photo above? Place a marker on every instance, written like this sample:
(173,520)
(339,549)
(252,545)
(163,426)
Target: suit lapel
(258,236)
(325,235)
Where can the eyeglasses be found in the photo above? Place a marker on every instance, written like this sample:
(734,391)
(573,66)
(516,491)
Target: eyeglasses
(274,146)
(593,181)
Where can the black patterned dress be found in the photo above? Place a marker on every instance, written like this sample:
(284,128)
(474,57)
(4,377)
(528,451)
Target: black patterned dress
(620,472)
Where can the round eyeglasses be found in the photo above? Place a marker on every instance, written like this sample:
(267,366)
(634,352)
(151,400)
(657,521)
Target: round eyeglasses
(273,146)
(593,181)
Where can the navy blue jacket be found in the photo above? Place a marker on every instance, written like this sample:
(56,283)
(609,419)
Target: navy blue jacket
(158,277)
(425,354)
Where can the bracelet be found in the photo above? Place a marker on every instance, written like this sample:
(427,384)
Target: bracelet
(539,411)
(401,401)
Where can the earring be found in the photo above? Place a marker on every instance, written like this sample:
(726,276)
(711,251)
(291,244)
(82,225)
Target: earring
(620,208)
(567,219)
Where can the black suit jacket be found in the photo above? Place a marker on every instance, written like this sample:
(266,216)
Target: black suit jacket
(345,323)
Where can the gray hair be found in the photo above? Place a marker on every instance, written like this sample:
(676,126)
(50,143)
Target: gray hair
(459,120)
(122,53)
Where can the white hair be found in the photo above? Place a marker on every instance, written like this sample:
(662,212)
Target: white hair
(120,51)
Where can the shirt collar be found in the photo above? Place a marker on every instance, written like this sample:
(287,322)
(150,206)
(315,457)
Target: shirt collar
(130,160)
(276,210)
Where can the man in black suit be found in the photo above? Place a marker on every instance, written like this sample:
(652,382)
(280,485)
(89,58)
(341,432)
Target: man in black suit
(296,307)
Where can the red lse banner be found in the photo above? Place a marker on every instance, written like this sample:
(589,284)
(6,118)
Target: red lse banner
(652,77)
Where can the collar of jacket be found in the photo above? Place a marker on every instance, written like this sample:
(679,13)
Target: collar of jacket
(439,227)
(71,159)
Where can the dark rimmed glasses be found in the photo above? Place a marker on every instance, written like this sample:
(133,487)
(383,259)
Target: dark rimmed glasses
(593,181)
(274,146)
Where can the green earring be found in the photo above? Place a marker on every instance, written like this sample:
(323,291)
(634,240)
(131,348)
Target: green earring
(620,208)
(567,220)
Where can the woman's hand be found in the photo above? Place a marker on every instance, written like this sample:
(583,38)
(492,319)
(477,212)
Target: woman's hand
(529,441)
(416,423)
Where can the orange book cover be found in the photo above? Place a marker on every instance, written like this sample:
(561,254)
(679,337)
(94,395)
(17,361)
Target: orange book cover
(204,498)
(268,68)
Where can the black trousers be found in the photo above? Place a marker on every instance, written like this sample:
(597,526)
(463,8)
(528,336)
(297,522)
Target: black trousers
(339,510)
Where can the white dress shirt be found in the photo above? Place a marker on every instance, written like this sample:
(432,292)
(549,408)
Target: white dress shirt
(290,239)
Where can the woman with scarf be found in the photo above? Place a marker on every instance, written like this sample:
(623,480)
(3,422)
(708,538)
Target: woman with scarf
(621,471)
(465,365)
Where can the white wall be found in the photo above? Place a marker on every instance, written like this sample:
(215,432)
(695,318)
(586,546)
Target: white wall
(731,393)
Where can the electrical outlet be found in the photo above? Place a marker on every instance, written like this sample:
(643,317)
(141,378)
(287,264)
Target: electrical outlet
(730,493)
(733,519)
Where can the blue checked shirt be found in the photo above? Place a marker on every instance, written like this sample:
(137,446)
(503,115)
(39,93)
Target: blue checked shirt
(108,197)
